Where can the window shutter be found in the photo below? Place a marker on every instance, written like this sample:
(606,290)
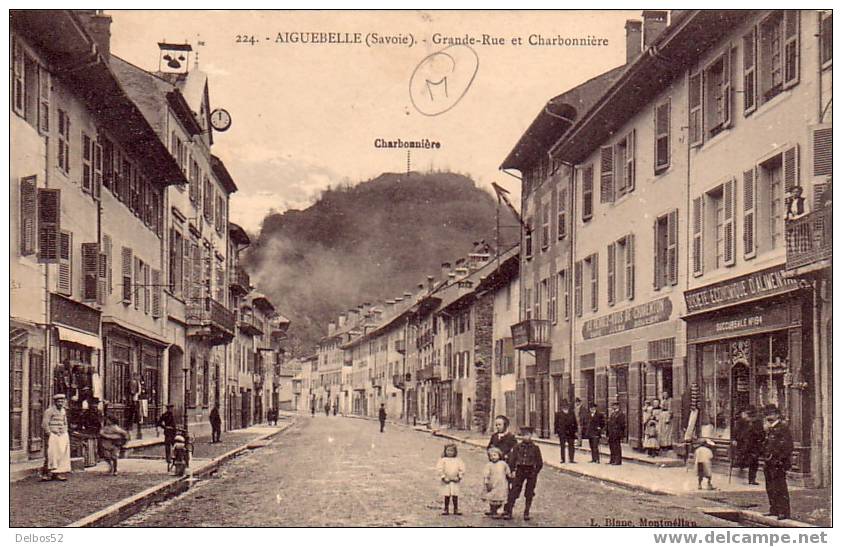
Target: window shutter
(537,302)
(750,72)
(749,216)
(594,282)
(791,48)
(18,72)
(695,103)
(630,267)
(146,288)
(49,224)
(102,278)
(196,281)
(528,239)
(106,245)
(791,172)
(729,197)
(662,136)
(90,271)
(87,163)
(138,280)
(612,260)
(577,288)
(65,264)
(822,151)
(656,255)
(565,290)
(97,182)
(587,193)
(672,247)
(562,213)
(156,293)
(187,269)
(630,161)
(698,224)
(520,403)
(126,271)
(606,177)
(44,100)
(28,211)
(726,88)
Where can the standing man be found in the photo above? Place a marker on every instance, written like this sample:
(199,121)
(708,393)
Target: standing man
(615,429)
(525,461)
(748,442)
(777,459)
(327,408)
(167,422)
(592,425)
(313,406)
(54,425)
(578,411)
(216,425)
(381,415)
(566,428)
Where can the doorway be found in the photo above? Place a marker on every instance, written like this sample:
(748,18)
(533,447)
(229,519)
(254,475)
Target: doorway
(622,372)
(589,387)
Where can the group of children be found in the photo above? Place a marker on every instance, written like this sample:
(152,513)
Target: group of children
(504,476)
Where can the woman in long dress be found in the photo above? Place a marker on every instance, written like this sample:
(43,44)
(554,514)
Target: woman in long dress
(54,424)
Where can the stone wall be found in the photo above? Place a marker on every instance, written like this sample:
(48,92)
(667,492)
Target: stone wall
(483,360)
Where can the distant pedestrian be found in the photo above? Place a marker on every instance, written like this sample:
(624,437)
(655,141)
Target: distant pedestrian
(650,436)
(525,462)
(748,442)
(566,428)
(327,409)
(167,422)
(495,481)
(313,407)
(615,430)
(450,470)
(502,437)
(381,415)
(593,423)
(335,407)
(54,424)
(777,460)
(579,410)
(216,425)
(112,439)
(704,462)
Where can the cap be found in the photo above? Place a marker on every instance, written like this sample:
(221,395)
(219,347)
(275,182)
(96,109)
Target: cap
(58,396)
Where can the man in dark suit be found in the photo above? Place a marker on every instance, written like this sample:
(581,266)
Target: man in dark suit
(381,415)
(592,425)
(615,430)
(748,442)
(777,459)
(566,429)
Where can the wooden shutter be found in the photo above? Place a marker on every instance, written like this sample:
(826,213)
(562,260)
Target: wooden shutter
(44,87)
(791,53)
(106,246)
(587,192)
(729,233)
(695,104)
(156,293)
(635,394)
(87,163)
(187,269)
(606,176)
(612,261)
(822,151)
(97,180)
(727,77)
(565,288)
(28,211)
(656,256)
(672,247)
(750,72)
(630,267)
(698,226)
(791,168)
(65,264)
(662,136)
(520,403)
(126,272)
(146,288)
(102,278)
(90,271)
(18,74)
(49,224)
(138,281)
(562,213)
(749,214)
(577,288)
(629,171)
(196,280)
(594,282)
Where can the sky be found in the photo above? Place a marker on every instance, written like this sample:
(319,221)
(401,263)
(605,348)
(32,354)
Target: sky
(306,115)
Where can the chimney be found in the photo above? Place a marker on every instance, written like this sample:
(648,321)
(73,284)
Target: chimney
(431,281)
(98,26)
(407,295)
(341,320)
(633,40)
(654,23)
(331,328)
(445,269)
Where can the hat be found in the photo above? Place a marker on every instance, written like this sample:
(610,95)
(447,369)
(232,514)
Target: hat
(526,429)
(58,396)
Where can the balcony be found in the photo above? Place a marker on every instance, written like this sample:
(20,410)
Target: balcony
(399,381)
(531,334)
(240,281)
(209,319)
(249,326)
(809,242)
(400,346)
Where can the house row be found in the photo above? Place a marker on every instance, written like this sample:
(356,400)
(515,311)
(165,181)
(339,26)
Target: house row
(126,289)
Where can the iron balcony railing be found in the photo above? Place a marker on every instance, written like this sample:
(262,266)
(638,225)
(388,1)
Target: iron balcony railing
(809,239)
(531,334)
(240,280)
(207,312)
(400,346)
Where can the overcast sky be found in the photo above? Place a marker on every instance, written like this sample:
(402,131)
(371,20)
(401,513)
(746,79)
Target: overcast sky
(306,116)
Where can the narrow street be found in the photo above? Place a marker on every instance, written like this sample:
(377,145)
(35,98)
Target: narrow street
(334,471)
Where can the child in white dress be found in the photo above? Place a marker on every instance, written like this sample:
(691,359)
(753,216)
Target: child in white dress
(496,481)
(450,470)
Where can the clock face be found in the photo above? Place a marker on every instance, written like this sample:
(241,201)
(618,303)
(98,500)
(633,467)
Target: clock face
(220,119)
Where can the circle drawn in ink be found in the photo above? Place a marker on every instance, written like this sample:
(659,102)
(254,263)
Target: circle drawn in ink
(442,78)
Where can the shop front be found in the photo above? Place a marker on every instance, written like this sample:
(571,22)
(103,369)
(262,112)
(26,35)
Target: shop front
(748,344)
(28,390)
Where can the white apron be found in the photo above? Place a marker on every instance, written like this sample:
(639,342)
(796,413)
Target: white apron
(58,453)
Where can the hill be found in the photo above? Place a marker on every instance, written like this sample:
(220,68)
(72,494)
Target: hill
(368,242)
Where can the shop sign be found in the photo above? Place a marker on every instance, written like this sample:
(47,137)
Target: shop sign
(760,284)
(641,315)
(74,314)
(754,320)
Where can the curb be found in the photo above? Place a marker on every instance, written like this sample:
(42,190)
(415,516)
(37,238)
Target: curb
(133,505)
(743,516)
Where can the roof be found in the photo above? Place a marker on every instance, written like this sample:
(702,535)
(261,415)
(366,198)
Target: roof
(677,48)
(238,235)
(222,174)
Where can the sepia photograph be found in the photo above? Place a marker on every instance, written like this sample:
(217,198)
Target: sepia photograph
(423,269)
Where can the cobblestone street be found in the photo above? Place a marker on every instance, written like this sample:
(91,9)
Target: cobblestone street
(334,471)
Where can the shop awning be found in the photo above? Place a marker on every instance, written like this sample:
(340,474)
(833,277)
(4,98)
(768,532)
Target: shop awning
(77,337)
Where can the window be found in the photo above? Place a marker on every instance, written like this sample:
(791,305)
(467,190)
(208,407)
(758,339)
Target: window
(606,176)
(28,211)
(176,261)
(63,142)
(694,85)
(30,89)
(194,181)
(717,95)
(527,239)
(527,303)
(90,272)
(562,213)
(107,251)
(779,53)
(593,266)
(207,204)
(97,164)
(220,214)
(718,226)
(774,178)
(126,274)
(749,72)
(87,163)
(545,226)
(64,281)
(539,299)
(577,288)
(826,37)
(666,250)
(553,300)
(220,280)
(18,88)
(587,193)
(565,294)
(624,152)
(662,137)
(49,224)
